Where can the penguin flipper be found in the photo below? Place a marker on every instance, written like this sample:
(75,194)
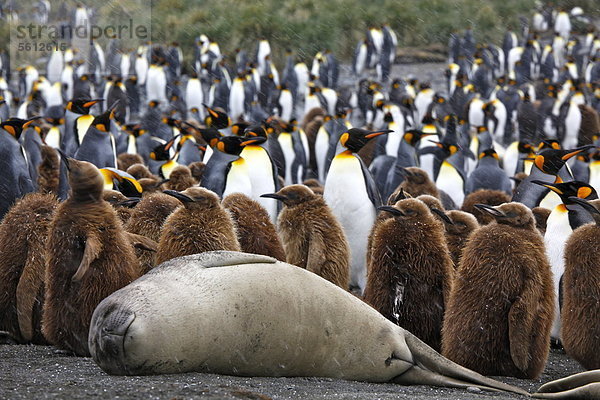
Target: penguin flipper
(93,247)
(28,289)
(520,326)
(142,242)
(372,190)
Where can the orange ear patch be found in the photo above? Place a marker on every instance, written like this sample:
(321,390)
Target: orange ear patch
(584,192)
(344,138)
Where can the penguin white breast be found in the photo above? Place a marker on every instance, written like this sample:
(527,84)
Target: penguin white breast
(393,140)
(287,147)
(236,99)
(53,137)
(321,147)
(262,178)
(238,179)
(511,159)
(595,175)
(451,182)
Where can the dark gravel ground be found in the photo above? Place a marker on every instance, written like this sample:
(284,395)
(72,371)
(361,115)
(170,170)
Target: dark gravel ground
(37,372)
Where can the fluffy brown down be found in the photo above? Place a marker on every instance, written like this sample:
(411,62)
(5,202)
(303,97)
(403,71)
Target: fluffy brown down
(417,182)
(200,225)
(312,237)
(197,170)
(139,171)
(180,179)
(541,215)
(126,160)
(147,218)
(500,310)
(410,273)
(255,231)
(484,196)
(49,171)
(114,197)
(23,236)
(458,232)
(580,313)
(89,256)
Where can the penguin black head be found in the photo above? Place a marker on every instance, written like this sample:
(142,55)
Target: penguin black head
(592,207)
(514,214)
(550,161)
(16,126)
(355,139)
(153,103)
(549,144)
(566,190)
(102,121)
(216,119)
(196,198)
(525,147)
(256,131)
(81,106)
(235,144)
(412,209)
(162,151)
(489,153)
(292,195)
(122,181)
(172,122)
(413,136)
(134,129)
(239,128)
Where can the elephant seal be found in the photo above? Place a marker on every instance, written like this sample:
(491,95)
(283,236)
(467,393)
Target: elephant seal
(250,315)
(584,385)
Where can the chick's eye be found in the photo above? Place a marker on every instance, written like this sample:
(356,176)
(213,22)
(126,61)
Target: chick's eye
(409,211)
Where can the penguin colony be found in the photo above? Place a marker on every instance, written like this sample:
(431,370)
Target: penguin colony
(490,222)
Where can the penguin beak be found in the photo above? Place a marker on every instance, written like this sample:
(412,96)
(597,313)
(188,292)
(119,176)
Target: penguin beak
(490,210)
(29,122)
(129,203)
(586,205)
(274,196)
(391,210)
(253,141)
(179,196)
(64,158)
(377,133)
(443,216)
(577,151)
(404,171)
(547,185)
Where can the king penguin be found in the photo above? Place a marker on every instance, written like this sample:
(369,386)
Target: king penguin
(264,176)
(227,172)
(77,121)
(351,193)
(98,145)
(563,219)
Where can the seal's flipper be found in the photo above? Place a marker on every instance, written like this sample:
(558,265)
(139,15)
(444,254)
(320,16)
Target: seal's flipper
(585,385)
(432,367)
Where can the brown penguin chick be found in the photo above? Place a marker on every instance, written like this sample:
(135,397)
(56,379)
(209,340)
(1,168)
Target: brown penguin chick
(311,115)
(580,312)
(416,182)
(590,125)
(140,171)
(126,160)
(314,185)
(399,194)
(501,306)
(197,170)
(180,179)
(255,231)
(541,215)
(49,171)
(89,256)
(150,185)
(202,224)
(459,226)
(410,273)
(147,218)
(484,196)
(119,202)
(431,202)
(23,237)
(312,237)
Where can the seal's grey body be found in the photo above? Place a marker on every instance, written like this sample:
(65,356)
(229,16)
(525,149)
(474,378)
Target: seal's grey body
(255,316)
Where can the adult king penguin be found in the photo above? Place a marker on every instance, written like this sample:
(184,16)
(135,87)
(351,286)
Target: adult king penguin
(352,194)
(563,219)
